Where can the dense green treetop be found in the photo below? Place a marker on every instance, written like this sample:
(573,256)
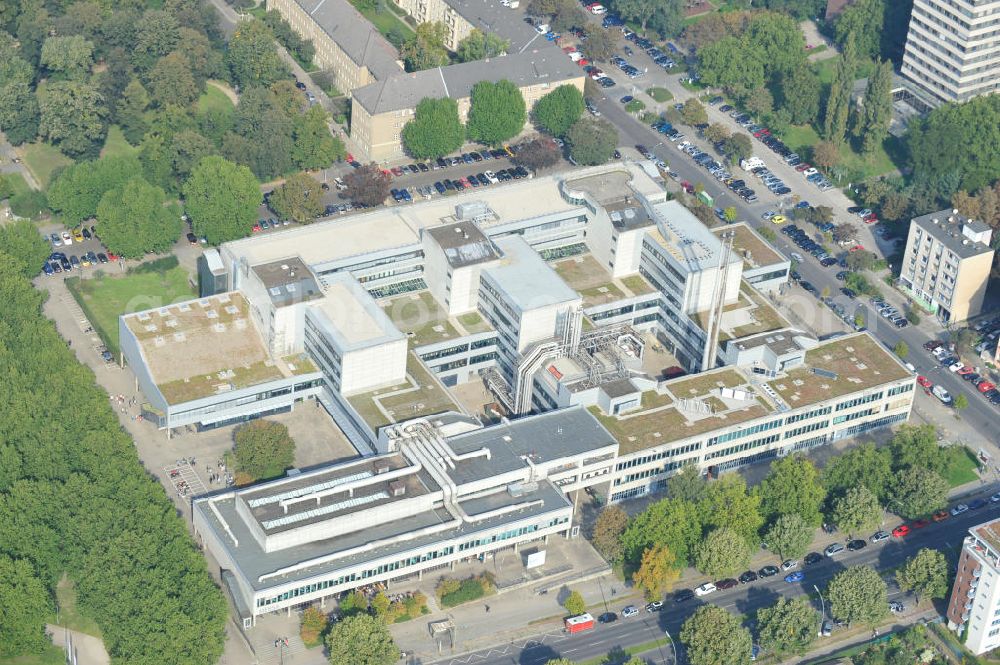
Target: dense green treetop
(221,199)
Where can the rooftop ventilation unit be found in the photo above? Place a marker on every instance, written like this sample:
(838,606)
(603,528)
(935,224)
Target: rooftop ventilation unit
(471,210)
(397,488)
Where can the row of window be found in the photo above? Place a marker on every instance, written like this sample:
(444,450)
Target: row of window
(853,416)
(812,427)
(645,459)
(746,431)
(900,389)
(824,411)
(746,445)
(857,401)
(639,475)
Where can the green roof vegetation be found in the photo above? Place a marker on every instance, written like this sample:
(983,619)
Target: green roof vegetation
(858,362)
(637,284)
(422,395)
(473,322)
(421,318)
(204,385)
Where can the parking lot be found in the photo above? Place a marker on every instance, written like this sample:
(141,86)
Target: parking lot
(75,251)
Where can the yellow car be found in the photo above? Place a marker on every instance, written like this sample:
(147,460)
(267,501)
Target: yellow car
(77,235)
(778,219)
(84,261)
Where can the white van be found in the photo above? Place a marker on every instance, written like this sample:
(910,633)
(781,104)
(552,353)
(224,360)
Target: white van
(942,394)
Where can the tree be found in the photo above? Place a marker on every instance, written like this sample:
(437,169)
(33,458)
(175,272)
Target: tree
(68,57)
(368,185)
(592,141)
(858,595)
(728,504)
(134,220)
(538,153)
(864,465)
(557,111)
(72,115)
(760,101)
(252,56)
(917,446)
(361,640)
(23,246)
(600,44)
(657,572)
(792,486)
(901,350)
(730,214)
(738,147)
(157,33)
(777,40)
(314,146)
(688,484)
(18,104)
(171,81)
(426,48)
(479,46)
(713,636)
(716,132)
(838,100)
(694,112)
(435,129)
(221,199)
(722,552)
(674,523)
(263,449)
(961,402)
(26,609)
(497,112)
(789,536)
(862,260)
(78,188)
(575,604)
(312,626)
(918,492)
(727,64)
(609,527)
(299,199)
(787,627)
(844,232)
(857,510)
(131,111)
(559,661)
(187,149)
(861,21)
(925,574)
(877,109)
(800,94)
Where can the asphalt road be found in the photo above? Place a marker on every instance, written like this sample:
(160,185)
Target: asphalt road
(980,413)
(744,599)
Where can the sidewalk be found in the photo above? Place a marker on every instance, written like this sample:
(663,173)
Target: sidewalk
(87,649)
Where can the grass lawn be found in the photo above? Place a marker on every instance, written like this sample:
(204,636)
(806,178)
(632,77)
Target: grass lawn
(962,464)
(857,167)
(42,159)
(18,184)
(52,655)
(659,94)
(116,145)
(69,616)
(385,22)
(105,298)
(214,99)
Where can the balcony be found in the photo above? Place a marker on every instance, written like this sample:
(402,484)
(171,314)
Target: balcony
(971,593)
(977,572)
(965,617)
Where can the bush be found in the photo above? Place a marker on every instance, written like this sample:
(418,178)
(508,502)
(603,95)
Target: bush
(161,266)
(452,592)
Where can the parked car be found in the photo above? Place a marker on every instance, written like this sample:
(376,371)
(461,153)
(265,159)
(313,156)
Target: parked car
(629,611)
(705,589)
(797,576)
(879,536)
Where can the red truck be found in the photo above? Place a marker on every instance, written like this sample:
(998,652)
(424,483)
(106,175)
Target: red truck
(579,623)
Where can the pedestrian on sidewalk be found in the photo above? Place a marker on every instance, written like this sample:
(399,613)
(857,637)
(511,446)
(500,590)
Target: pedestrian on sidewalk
(487,607)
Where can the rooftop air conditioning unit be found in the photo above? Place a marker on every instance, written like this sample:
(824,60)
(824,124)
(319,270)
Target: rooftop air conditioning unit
(397,488)
(381,468)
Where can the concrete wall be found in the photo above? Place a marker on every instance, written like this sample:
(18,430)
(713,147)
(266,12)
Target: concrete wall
(373,367)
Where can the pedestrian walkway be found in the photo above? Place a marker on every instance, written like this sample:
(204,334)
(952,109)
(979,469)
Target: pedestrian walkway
(82,649)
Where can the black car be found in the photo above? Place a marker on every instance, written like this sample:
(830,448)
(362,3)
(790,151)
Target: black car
(192,238)
(768,571)
(748,577)
(808,287)
(439,187)
(813,557)
(683,595)
(856,545)
(977,504)
(607,617)
(849,293)
(423,167)
(795,275)
(727,583)
(855,209)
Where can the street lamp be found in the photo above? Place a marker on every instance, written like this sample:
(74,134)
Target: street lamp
(280,644)
(822,603)
(673,647)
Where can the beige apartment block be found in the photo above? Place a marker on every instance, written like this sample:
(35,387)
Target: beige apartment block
(380,110)
(347,45)
(953,49)
(463,16)
(946,266)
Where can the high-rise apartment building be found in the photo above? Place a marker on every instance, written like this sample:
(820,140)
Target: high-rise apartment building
(946,265)
(953,49)
(975,595)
